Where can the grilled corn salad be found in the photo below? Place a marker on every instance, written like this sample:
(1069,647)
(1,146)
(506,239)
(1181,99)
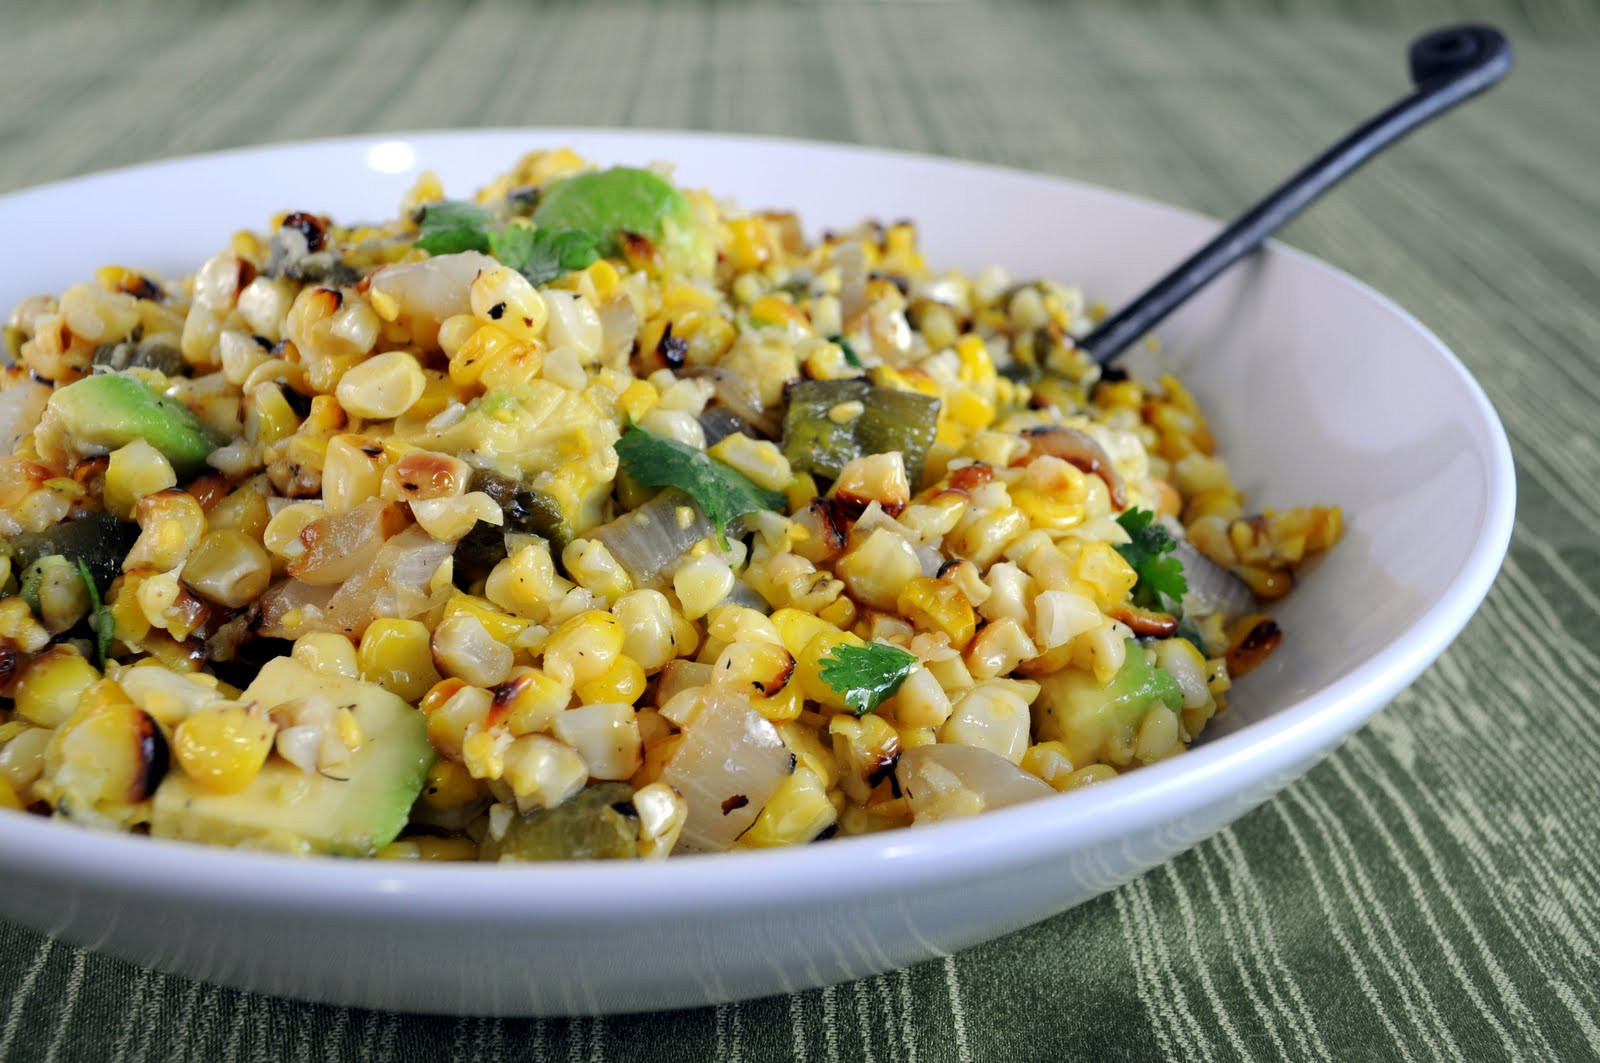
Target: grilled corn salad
(594,517)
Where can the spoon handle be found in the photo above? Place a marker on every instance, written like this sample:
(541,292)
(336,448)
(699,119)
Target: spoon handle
(1448,66)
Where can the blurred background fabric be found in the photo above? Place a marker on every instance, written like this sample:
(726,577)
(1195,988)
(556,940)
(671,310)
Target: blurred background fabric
(1430,892)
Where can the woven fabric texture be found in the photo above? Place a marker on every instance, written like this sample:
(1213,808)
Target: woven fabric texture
(1427,893)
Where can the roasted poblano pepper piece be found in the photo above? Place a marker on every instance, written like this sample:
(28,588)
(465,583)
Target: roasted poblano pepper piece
(99,540)
(890,420)
(598,823)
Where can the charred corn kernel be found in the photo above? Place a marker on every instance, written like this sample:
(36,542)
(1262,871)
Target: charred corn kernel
(229,568)
(583,647)
(530,700)
(808,666)
(281,536)
(455,710)
(786,704)
(990,717)
(623,682)
(1106,572)
(879,568)
(646,619)
(171,524)
(542,771)
(865,749)
(327,654)
(939,606)
(503,296)
(463,647)
(49,688)
(487,343)
(223,749)
(798,811)
(135,470)
(754,669)
(701,583)
(1050,761)
(590,564)
(425,847)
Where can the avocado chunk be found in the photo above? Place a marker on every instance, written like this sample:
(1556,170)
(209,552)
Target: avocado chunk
(1098,722)
(287,809)
(607,203)
(111,410)
(597,823)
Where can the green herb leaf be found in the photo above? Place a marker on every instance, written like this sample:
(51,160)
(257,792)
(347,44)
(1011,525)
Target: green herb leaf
(849,350)
(866,676)
(101,622)
(1160,577)
(721,492)
(453,226)
(542,255)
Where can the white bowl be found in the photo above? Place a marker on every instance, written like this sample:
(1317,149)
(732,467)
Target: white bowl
(1320,390)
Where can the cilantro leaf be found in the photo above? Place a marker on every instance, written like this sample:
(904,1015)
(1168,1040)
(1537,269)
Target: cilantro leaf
(867,675)
(849,350)
(542,255)
(101,622)
(452,226)
(720,491)
(1160,577)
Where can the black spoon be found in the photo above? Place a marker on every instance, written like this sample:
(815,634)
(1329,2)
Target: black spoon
(1448,66)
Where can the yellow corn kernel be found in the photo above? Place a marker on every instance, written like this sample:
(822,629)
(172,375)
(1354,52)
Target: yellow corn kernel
(134,471)
(223,749)
(49,688)
(604,278)
(449,785)
(501,626)
(749,243)
(505,297)
(786,704)
(542,771)
(1106,572)
(647,622)
(797,812)
(1085,776)
(590,564)
(796,627)
(799,491)
(244,510)
(171,524)
(486,344)
(9,798)
(327,654)
(778,310)
(937,605)
(1050,761)
(624,681)
(583,647)
(878,569)
(808,666)
(701,583)
(637,399)
(229,568)
(841,612)
(396,655)
(530,700)
(382,387)
(760,460)
(864,748)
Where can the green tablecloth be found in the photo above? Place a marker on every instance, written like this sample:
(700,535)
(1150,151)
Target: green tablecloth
(1427,893)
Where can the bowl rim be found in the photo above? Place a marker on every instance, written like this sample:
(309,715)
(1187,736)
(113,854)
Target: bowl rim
(884,862)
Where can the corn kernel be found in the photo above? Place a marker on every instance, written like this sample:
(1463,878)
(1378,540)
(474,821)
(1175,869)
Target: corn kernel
(223,749)
(624,681)
(396,655)
(48,690)
(1106,572)
(583,647)
(135,470)
(808,666)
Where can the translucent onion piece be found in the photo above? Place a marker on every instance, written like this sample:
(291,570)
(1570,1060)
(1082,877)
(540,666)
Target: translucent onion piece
(728,766)
(1212,588)
(649,540)
(21,407)
(433,289)
(945,781)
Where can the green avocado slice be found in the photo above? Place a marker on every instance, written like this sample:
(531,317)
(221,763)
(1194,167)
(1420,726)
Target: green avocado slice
(286,809)
(111,410)
(607,203)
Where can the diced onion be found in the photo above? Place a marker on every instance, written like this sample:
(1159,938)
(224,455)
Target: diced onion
(1212,588)
(728,766)
(648,541)
(946,780)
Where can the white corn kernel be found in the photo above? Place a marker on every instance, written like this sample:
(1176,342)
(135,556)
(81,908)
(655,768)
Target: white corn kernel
(605,735)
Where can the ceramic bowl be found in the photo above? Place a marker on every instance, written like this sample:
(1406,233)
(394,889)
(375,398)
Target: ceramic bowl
(1319,390)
